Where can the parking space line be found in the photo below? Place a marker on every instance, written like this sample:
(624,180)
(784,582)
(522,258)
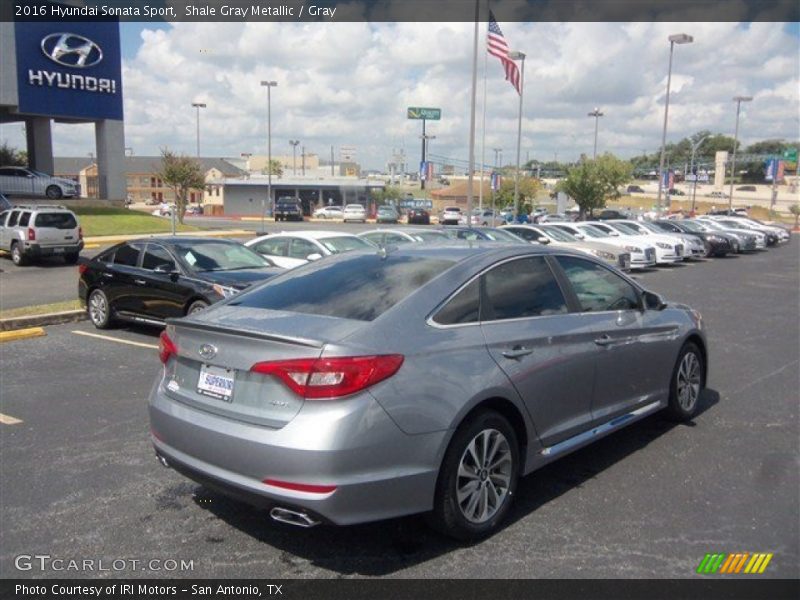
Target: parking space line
(8,420)
(114,339)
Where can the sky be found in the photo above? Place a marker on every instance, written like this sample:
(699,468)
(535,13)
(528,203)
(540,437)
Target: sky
(349,84)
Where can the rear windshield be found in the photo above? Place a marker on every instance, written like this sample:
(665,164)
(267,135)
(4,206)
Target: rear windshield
(361,288)
(56,220)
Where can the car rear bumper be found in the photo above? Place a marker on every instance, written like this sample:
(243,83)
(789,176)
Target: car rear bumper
(379,471)
(34,249)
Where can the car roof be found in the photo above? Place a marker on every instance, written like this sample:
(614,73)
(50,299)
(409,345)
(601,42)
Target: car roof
(182,239)
(307,234)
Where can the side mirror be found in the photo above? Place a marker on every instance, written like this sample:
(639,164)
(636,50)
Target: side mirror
(653,301)
(166,268)
(314,256)
(580,236)
(543,240)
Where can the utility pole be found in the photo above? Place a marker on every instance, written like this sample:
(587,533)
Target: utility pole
(269,85)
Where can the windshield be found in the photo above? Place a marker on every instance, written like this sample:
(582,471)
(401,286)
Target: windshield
(624,228)
(499,235)
(430,236)
(593,231)
(337,245)
(219,256)
(652,227)
(691,226)
(735,225)
(559,235)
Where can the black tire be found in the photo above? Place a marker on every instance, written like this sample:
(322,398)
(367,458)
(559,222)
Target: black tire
(448,516)
(53,192)
(682,407)
(197,306)
(98,308)
(17,256)
(72,259)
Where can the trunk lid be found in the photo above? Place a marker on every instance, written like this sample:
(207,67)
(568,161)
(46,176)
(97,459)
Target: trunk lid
(216,351)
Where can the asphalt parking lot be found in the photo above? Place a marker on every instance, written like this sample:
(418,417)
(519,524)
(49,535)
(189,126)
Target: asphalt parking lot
(79,480)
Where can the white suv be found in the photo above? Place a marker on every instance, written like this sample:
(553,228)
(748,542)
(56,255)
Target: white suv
(33,231)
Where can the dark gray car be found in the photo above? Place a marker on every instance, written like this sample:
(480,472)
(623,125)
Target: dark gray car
(421,379)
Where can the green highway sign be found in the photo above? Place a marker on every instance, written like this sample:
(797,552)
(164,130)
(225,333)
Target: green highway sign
(789,154)
(420,112)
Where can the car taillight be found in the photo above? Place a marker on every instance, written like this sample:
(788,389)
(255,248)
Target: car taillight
(309,488)
(318,378)
(31,234)
(82,269)
(166,347)
(80,233)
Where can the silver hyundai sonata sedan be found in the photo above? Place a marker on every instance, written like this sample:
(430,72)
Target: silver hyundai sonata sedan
(419,379)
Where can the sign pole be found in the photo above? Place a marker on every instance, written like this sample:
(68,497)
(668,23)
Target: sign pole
(424,170)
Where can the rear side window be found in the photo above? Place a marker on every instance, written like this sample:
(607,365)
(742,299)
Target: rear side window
(24,219)
(522,288)
(127,256)
(361,288)
(56,220)
(463,307)
(598,289)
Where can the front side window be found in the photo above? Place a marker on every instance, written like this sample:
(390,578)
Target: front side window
(24,219)
(597,288)
(521,288)
(272,247)
(219,256)
(526,234)
(302,249)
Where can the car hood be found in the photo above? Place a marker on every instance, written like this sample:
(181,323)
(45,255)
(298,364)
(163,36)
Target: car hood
(241,279)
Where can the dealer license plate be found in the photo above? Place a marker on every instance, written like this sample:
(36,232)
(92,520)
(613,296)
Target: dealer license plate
(216,382)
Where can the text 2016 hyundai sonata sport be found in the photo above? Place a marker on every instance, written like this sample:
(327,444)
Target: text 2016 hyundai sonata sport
(425,379)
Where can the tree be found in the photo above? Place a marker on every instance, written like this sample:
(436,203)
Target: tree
(795,210)
(592,182)
(182,174)
(12,157)
(775,147)
(528,188)
(275,166)
(387,195)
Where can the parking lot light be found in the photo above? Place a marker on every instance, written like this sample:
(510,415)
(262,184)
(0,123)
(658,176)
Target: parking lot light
(198,106)
(678,38)
(269,85)
(596,113)
(738,100)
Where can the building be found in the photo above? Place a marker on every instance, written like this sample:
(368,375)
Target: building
(456,195)
(249,196)
(141,177)
(68,72)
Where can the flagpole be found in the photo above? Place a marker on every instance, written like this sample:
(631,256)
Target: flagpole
(471,175)
(483,127)
(521,57)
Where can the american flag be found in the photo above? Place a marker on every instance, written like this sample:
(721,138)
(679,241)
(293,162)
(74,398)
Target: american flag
(496,46)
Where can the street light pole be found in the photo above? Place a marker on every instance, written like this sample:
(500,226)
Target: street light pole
(269,85)
(496,152)
(695,146)
(738,100)
(678,38)
(294,144)
(520,57)
(198,106)
(596,114)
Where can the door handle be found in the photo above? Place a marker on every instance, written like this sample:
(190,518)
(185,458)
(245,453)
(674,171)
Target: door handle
(109,275)
(517,352)
(604,340)
(139,282)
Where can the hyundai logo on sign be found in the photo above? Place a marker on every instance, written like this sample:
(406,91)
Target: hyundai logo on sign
(71,50)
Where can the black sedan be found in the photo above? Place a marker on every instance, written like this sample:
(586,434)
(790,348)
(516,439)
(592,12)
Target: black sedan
(419,216)
(151,280)
(716,243)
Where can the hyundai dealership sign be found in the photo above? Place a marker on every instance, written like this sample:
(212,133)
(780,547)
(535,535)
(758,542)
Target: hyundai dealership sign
(69,69)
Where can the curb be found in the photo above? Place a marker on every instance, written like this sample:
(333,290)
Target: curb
(113,239)
(21,334)
(11,325)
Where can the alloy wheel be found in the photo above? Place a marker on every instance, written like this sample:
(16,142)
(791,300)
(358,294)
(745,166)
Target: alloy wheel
(484,476)
(98,308)
(688,381)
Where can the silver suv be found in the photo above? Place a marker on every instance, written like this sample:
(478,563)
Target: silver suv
(22,181)
(33,231)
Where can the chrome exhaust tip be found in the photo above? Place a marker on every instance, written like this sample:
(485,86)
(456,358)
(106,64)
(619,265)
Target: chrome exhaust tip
(292,517)
(162,460)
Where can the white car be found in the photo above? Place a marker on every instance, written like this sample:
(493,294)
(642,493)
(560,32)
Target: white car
(643,256)
(354,212)
(451,215)
(748,223)
(667,251)
(408,235)
(22,181)
(289,250)
(693,246)
(711,225)
(328,212)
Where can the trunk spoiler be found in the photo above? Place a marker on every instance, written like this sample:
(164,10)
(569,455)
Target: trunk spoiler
(260,335)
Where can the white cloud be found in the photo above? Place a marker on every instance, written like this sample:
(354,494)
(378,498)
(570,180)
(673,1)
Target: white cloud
(350,83)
